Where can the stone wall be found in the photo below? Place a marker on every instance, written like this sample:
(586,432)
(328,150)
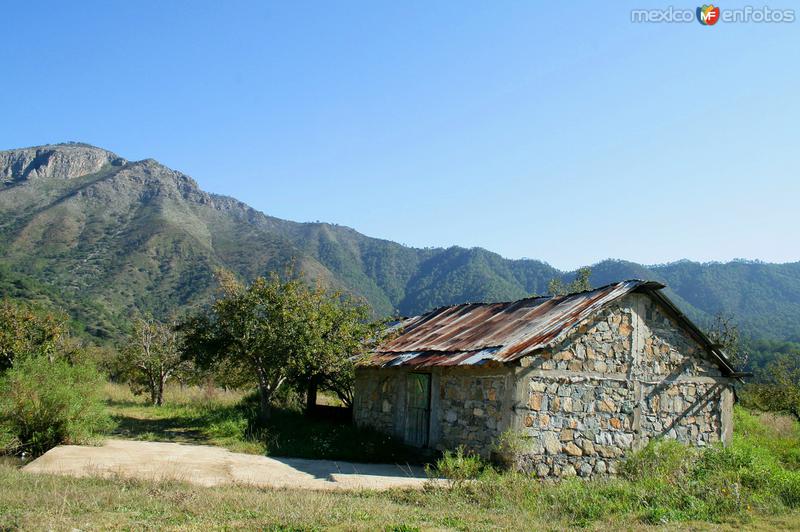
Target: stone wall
(619,379)
(576,425)
(471,409)
(688,412)
(682,393)
(375,401)
(602,345)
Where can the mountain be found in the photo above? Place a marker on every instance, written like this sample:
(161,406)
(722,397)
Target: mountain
(104,238)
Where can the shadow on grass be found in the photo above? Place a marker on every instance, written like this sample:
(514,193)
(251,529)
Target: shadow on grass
(172,429)
(127,403)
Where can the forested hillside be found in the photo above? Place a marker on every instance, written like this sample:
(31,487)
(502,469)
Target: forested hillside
(104,238)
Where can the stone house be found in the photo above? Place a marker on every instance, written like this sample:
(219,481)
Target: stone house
(580,380)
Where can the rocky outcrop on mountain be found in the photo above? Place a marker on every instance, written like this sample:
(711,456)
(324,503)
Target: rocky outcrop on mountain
(60,161)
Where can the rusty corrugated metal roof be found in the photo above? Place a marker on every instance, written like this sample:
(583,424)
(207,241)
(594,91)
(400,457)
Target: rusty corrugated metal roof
(482,333)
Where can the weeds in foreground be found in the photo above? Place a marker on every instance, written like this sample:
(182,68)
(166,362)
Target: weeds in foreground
(664,482)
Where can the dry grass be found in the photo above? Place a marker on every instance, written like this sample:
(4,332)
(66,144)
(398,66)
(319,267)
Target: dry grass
(49,502)
(174,395)
(783,425)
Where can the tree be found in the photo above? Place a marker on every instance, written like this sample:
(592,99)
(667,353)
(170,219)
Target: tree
(28,331)
(557,287)
(778,386)
(152,357)
(340,331)
(278,329)
(49,388)
(725,333)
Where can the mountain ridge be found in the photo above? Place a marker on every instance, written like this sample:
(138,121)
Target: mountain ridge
(104,237)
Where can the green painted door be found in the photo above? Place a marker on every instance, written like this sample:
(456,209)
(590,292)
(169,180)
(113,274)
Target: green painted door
(418,409)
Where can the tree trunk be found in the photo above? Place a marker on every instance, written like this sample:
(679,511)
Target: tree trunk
(160,392)
(311,396)
(153,393)
(266,388)
(264,407)
(264,395)
(346,397)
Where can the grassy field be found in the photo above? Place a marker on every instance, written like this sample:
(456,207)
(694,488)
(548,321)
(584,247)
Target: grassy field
(754,484)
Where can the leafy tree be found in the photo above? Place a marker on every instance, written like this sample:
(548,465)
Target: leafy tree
(340,331)
(152,357)
(278,329)
(777,386)
(763,351)
(28,331)
(557,287)
(226,374)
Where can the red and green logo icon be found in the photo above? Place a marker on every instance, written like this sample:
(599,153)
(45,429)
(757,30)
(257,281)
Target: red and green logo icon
(707,15)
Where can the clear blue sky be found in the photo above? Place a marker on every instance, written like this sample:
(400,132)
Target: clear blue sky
(559,130)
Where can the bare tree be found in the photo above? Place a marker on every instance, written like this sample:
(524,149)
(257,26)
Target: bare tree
(152,357)
(725,333)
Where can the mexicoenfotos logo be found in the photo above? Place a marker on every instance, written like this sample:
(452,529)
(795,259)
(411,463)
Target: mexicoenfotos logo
(707,15)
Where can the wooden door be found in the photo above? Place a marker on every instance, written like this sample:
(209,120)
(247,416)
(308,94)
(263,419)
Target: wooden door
(418,409)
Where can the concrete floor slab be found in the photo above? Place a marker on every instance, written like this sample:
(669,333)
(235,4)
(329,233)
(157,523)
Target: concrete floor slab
(212,466)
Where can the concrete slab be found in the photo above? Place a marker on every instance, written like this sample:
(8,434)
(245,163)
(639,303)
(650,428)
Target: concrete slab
(212,466)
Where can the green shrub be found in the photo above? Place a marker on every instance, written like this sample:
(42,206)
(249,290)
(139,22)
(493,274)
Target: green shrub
(44,404)
(757,470)
(228,428)
(28,330)
(288,398)
(510,447)
(459,465)
(776,435)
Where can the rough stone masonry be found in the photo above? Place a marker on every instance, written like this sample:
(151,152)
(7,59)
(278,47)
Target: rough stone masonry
(626,373)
